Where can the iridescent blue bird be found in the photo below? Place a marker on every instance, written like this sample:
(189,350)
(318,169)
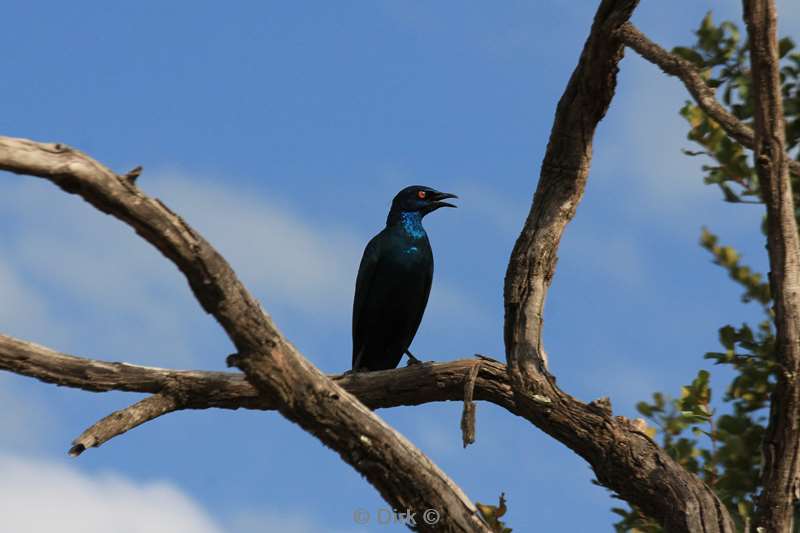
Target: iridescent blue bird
(394,281)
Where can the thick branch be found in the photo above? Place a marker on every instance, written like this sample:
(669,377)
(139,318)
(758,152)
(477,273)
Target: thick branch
(703,95)
(411,385)
(623,458)
(404,476)
(781,471)
(184,389)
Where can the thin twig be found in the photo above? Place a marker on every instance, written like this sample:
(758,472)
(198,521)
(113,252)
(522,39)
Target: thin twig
(703,95)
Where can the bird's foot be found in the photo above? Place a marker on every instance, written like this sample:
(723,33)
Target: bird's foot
(354,371)
(412,360)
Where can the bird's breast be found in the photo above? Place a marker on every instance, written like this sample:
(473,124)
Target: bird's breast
(410,257)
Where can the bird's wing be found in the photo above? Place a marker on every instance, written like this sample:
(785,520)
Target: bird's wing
(366,274)
(424,299)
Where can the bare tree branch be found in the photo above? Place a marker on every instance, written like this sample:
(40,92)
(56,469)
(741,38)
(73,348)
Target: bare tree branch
(404,476)
(278,377)
(623,458)
(411,385)
(780,474)
(689,74)
(124,420)
(191,389)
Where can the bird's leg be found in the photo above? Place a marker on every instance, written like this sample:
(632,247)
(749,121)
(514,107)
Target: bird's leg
(412,360)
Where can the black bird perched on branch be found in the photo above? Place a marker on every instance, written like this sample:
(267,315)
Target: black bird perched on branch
(394,281)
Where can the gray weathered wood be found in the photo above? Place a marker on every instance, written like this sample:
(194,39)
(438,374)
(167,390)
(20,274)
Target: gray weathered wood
(192,389)
(404,476)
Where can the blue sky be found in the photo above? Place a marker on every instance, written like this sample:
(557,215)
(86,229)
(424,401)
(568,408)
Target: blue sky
(281,131)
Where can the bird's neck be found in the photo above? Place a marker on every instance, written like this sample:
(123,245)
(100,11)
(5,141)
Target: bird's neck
(410,222)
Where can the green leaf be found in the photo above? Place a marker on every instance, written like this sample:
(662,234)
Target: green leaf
(785,46)
(689,55)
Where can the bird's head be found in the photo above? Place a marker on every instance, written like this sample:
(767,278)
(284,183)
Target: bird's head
(418,198)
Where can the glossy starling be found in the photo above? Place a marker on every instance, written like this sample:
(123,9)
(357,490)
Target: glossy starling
(394,281)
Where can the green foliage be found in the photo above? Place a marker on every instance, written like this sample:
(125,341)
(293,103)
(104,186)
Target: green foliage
(492,514)
(723,59)
(756,288)
(725,449)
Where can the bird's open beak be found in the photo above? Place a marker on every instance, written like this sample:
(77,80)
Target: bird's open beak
(439,196)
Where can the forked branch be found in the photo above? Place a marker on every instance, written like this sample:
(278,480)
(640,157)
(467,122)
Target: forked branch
(703,95)
(624,459)
(403,475)
(193,389)
(278,377)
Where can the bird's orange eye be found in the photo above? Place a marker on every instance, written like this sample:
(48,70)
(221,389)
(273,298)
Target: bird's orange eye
(421,194)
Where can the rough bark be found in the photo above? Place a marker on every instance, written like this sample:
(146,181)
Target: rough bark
(124,420)
(278,377)
(623,458)
(781,467)
(192,389)
(404,476)
(703,95)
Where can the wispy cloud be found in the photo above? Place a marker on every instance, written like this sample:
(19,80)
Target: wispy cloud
(639,154)
(269,243)
(83,269)
(23,310)
(25,419)
(73,257)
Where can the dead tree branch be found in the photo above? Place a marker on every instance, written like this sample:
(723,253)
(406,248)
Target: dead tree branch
(277,376)
(623,458)
(404,476)
(780,473)
(192,389)
(703,95)
(124,420)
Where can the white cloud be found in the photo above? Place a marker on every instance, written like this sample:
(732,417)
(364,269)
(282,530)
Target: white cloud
(38,496)
(90,255)
(122,296)
(130,301)
(127,302)
(274,250)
